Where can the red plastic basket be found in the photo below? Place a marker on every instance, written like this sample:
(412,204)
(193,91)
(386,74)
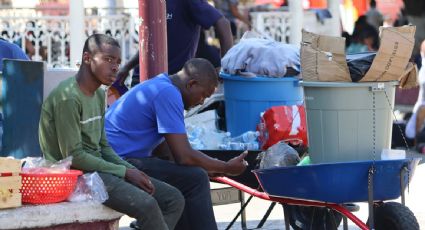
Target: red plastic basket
(46,188)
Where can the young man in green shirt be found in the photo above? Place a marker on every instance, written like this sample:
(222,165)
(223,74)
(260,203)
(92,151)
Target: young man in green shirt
(72,124)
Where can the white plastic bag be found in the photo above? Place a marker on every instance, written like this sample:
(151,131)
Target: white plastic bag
(260,56)
(90,187)
(41,165)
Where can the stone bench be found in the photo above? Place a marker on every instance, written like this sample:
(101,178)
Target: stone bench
(65,215)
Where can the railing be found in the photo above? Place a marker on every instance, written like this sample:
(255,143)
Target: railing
(273,24)
(47,37)
(45,10)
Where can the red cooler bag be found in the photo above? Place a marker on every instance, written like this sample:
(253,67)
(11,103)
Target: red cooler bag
(287,123)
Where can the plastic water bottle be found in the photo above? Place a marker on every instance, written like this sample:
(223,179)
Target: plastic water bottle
(239,146)
(194,132)
(213,139)
(197,144)
(252,146)
(232,146)
(224,147)
(247,137)
(236,146)
(227,138)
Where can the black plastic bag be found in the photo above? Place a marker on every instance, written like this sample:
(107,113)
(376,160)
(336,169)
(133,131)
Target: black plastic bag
(359,64)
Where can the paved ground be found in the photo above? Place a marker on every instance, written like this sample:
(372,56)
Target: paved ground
(415,200)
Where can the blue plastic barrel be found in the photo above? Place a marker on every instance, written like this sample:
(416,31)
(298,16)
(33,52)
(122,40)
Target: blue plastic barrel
(247,97)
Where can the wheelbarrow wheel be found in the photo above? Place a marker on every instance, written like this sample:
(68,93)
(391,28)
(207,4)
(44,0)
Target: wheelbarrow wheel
(394,216)
(312,218)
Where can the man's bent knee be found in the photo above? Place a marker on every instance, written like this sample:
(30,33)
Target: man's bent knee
(149,215)
(198,174)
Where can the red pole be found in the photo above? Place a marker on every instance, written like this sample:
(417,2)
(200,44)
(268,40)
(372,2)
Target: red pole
(153,58)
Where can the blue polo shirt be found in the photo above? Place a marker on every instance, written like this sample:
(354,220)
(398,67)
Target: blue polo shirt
(11,51)
(184,21)
(136,122)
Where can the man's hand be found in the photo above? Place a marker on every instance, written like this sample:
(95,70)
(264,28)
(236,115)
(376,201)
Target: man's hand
(236,165)
(122,74)
(139,179)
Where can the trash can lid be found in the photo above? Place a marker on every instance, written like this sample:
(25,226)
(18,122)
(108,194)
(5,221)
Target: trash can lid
(345,84)
(227,76)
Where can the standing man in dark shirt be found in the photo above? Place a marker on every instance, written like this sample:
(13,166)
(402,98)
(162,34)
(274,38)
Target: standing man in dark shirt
(184,21)
(229,8)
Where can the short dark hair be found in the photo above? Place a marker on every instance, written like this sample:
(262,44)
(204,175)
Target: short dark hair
(94,41)
(201,70)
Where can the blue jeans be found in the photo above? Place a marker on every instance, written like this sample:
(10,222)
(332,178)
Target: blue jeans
(193,183)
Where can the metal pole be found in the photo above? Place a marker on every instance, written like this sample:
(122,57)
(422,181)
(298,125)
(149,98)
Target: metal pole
(335,21)
(370,196)
(77,33)
(296,11)
(152,38)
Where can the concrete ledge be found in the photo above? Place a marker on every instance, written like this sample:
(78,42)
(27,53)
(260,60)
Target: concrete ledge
(63,215)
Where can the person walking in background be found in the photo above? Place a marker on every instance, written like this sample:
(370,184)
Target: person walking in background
(185,18)
(72,124)
(229,8)
(374,17)
(365,37)
(415,128)
(11,51)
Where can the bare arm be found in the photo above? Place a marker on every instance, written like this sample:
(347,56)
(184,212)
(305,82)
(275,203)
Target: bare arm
(163,152)
(224,34)
(420,119)
(124,71)
(185,155)
(235,12)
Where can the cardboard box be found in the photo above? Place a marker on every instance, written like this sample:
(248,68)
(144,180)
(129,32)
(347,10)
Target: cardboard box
(10,183)
(323,57)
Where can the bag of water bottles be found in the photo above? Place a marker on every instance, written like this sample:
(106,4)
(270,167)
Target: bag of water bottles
(245,141)
(279,155)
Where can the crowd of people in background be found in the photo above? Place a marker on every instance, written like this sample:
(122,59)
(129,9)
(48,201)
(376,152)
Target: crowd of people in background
(363,38)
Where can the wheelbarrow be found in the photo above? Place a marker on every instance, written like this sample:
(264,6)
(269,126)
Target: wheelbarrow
(316,196)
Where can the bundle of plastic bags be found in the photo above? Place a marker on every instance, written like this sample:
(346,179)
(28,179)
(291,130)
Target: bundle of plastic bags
(279,155)
(261,56)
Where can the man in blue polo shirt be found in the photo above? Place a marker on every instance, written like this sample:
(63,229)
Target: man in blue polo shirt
(11,51)
(184,21)
(148,121)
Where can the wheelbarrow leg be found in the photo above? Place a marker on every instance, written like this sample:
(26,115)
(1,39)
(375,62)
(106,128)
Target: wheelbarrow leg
(370,195)
(243,214)
(345,223)
(286,216)
(403,172)
(242,210)
(266,215)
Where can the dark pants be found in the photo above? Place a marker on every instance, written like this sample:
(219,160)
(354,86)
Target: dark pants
(159,211)
(193,182)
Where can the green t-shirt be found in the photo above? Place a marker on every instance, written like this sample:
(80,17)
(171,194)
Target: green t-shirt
(72,124)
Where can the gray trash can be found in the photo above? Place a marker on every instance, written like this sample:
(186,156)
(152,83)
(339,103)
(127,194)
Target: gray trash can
(347,120)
